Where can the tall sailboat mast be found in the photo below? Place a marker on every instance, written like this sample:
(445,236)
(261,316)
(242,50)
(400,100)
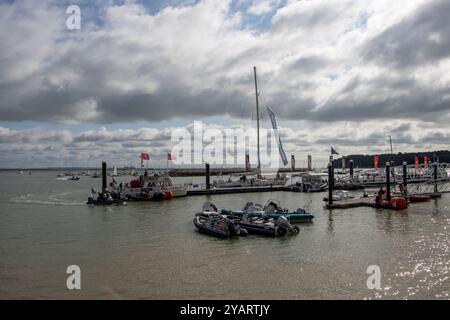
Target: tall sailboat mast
(257,118)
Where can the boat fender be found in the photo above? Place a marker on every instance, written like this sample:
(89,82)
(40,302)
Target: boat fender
(168,195)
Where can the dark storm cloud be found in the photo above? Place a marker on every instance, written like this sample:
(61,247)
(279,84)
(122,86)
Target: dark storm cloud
(373,139)
(169,103)
(165,103)
(420,39)
(416,104)
(436,138)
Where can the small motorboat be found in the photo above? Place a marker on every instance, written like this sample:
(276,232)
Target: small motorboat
(309,187)
(74,178)
(266,226)
(106,199)
(272,210)
(209,221)
(339,195)
(396,203)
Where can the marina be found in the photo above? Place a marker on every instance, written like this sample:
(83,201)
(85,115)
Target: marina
(156,248)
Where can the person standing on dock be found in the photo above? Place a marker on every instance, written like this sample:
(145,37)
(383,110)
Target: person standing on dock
(379,197)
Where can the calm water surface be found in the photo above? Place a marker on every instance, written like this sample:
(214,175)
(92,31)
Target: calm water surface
(152,251)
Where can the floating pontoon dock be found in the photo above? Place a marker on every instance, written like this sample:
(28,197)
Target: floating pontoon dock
(235,190)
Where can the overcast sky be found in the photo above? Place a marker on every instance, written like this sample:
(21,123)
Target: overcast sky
(335,72)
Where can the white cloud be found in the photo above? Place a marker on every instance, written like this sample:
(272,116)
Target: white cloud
(327,62)
(192,61)
(40,147)
(260,7)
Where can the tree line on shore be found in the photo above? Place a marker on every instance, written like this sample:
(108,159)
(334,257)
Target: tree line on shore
(367,161)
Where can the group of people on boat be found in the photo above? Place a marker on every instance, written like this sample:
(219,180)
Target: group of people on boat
(380,196)
(396,202)
(106,196)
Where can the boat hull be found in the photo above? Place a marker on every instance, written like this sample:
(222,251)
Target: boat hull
(106,202)
(419,198)
(155,196)
(258,230)
(291,216)
(205,228)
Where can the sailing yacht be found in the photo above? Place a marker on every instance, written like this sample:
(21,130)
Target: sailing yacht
(255,179)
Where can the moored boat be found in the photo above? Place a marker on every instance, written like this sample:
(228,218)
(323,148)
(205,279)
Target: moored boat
(396,203)
(209,221)
(156,183)
(272,210)
(266,226)
(106,199)
(252,181)
(339,195)
(105,202)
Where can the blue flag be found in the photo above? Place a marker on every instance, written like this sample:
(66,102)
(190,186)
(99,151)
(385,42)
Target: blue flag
(277,136)
(334,151)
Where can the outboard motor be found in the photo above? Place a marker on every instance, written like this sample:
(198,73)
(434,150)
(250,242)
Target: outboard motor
(283,226)
(248,206)
(209,207)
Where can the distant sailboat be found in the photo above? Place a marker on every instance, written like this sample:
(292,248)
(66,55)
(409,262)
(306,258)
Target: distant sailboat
(115,171)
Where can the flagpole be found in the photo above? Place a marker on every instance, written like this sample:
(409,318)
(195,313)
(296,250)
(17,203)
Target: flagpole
(331,154)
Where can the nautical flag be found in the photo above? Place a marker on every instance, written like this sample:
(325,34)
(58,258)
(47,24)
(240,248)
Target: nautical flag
(170,157)
(145,156)
(375,162)
(333,151)
(277,136)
